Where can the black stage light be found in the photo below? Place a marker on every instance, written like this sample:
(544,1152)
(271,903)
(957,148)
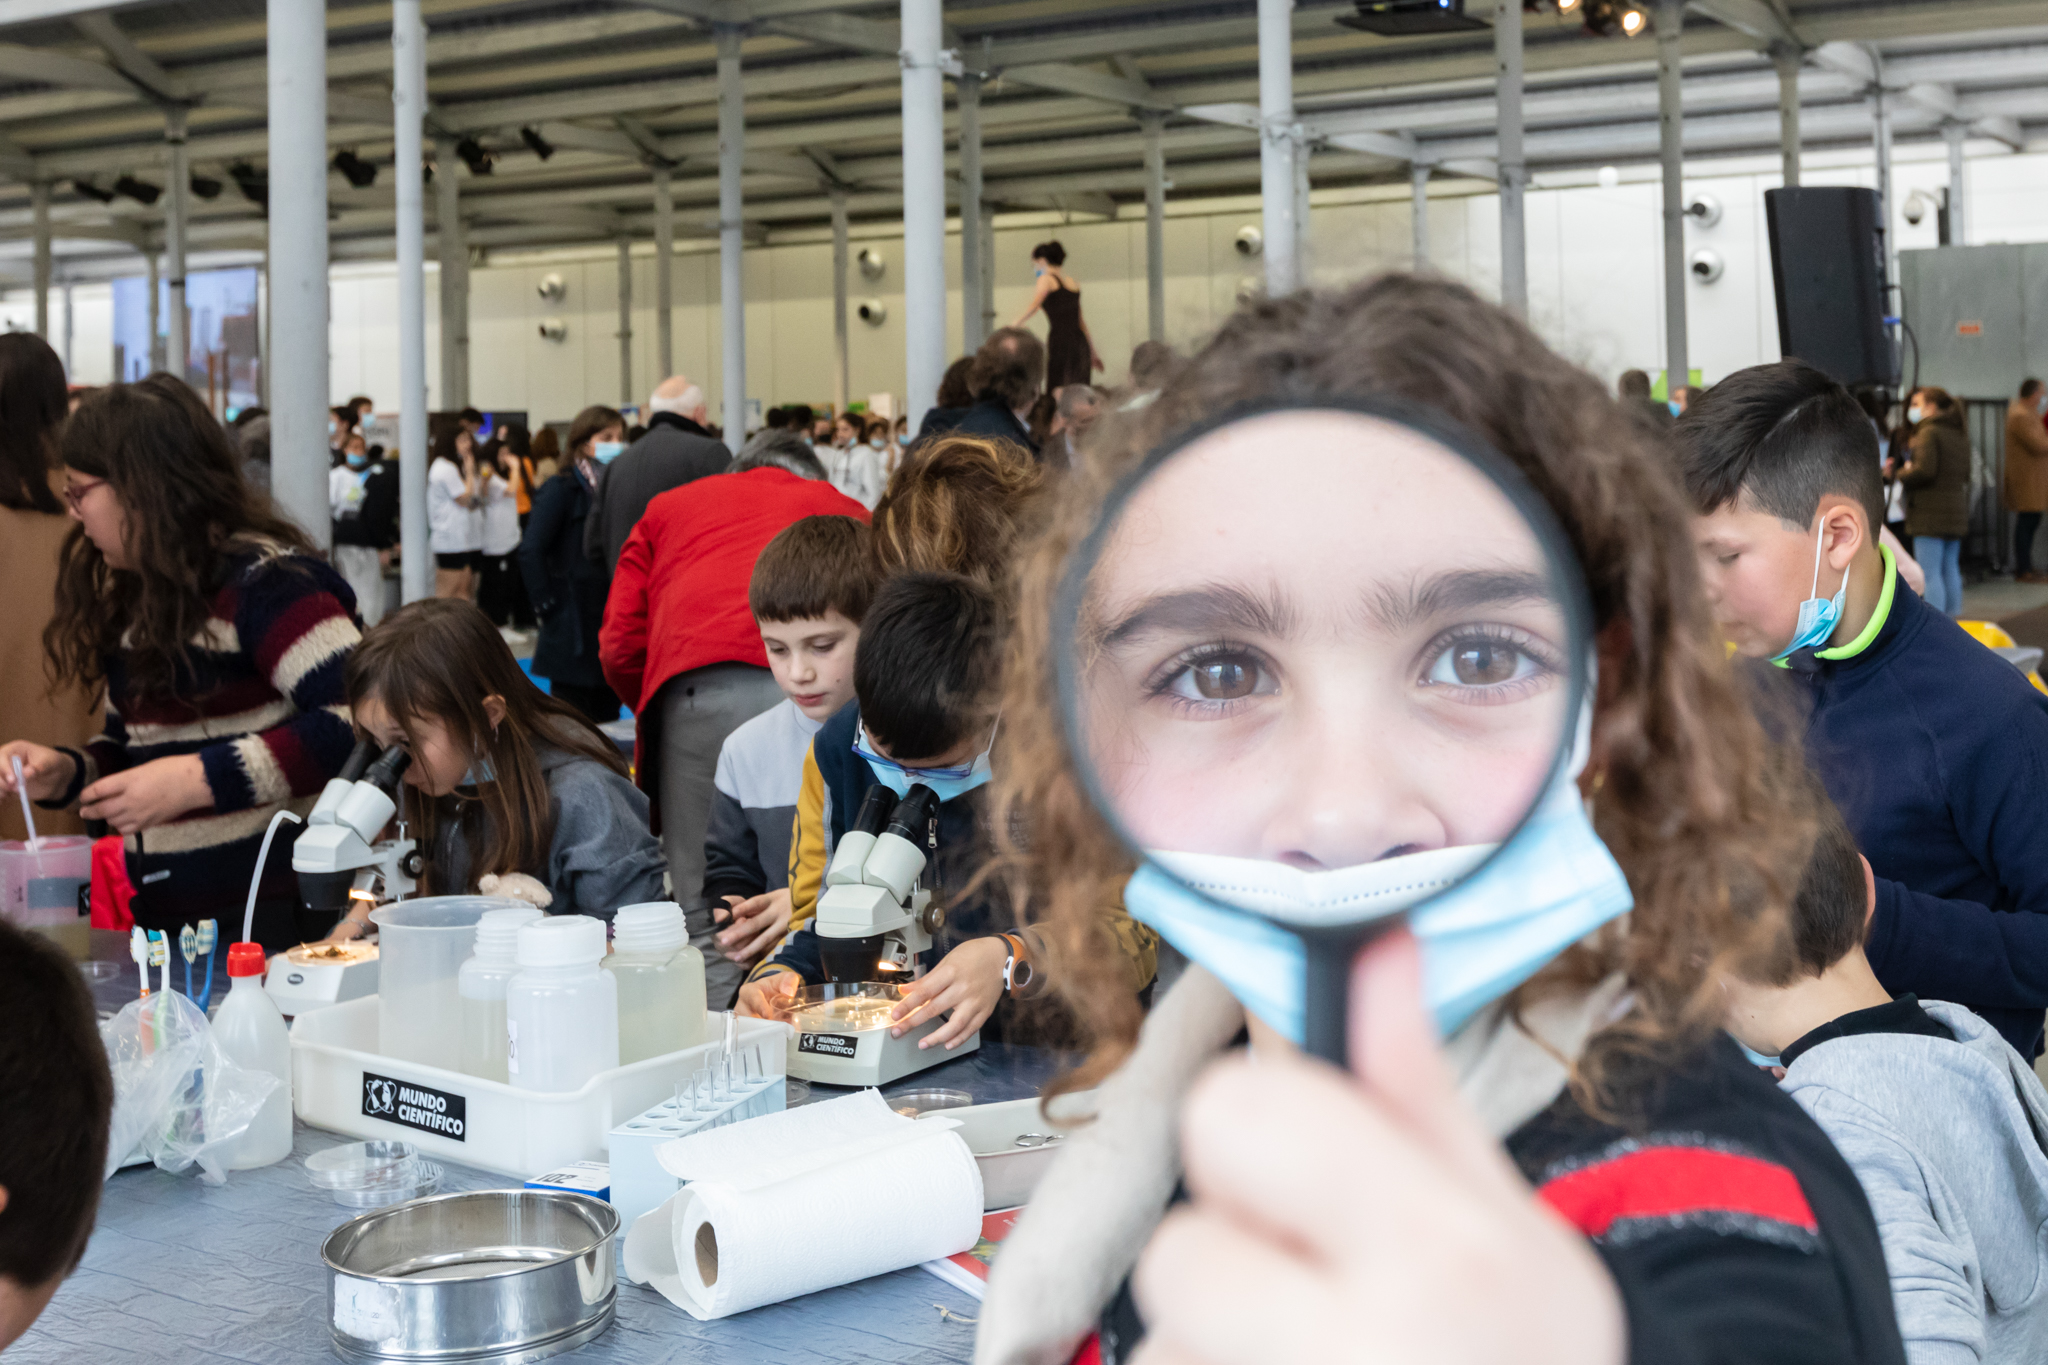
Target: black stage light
(1400,18)
(359,173)
(474,156)
(92,191)
(254,184)
(206,187)
(540,146)
(1611,18)
(141,191)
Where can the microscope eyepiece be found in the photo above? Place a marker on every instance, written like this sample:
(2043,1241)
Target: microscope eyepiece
(873,816)
(913,814)
(388,768)
(358,759)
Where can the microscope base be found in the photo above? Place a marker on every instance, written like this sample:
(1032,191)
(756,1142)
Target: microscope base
(869,1056)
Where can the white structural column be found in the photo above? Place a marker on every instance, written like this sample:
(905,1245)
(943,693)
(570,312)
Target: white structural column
(1786,59)
(1301,157)
(408,114)
(968,88)
(664,263)
(732,280)
(154,360)
(39,211)
(988,270)
(1954,132)
(1671,147)
(177,211)
(1418,174)
(1155,226)
(1514,168)
(924,208)
(841,385)
(1277,150)
(297,64)
(451,249)
(625,319)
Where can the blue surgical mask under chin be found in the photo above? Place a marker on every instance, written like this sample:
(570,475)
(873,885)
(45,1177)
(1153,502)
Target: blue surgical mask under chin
(878,443)
(356,461)
(1553,884)
(604,452)
(1818,615)
(479,772)
(946,783)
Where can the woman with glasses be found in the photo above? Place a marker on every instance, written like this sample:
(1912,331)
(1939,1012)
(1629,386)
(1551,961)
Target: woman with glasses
(219,640)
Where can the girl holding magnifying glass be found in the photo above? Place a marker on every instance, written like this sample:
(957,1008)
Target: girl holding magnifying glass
(1312,673)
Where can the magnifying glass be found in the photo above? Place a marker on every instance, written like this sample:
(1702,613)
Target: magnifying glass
(1319,666)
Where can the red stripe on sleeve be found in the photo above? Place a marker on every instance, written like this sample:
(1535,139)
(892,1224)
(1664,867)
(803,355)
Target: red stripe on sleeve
(1666,1182)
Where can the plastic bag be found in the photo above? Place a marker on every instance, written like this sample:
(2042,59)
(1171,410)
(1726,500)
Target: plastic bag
(178,1100)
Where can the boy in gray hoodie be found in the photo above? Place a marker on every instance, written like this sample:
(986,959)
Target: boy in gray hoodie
(1941,1120)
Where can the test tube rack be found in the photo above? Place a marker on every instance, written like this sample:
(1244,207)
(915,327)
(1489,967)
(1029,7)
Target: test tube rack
(639,1184)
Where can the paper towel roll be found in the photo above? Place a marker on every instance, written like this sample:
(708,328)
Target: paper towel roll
(792,1203)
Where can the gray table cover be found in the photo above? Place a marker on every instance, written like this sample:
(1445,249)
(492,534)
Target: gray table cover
(180,1272)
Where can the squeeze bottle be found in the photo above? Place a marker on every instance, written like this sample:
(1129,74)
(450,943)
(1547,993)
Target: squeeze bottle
(661,981)
(562,1010)
(481,984)
(251,1031)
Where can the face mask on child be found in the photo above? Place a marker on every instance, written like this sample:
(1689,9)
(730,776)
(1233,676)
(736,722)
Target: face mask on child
(1817,614)
(604,452)
(878,443)
(947,783)
(356,459)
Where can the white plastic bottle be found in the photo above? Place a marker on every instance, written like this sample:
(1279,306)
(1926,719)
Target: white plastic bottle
(481,984)
(562,1010)
(661,981)
(251,1031)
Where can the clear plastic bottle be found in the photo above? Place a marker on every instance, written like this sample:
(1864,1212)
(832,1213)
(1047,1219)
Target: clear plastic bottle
(661,981)
(562,1010)
(251,1031)
(481,984)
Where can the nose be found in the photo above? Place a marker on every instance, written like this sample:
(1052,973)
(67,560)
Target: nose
(1342,794)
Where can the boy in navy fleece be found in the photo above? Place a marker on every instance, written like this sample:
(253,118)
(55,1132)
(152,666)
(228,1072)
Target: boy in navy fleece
(1934,748)
(810,589)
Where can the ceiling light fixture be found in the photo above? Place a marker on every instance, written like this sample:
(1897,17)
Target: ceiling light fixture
(474,156)
(205,186)
(358,172)
(254,184)
(92,191)
(539,145)
(141,191)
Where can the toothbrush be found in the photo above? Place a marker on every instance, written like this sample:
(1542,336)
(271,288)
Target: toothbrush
(138,948)
(160,956)
(209,934)
(188,948)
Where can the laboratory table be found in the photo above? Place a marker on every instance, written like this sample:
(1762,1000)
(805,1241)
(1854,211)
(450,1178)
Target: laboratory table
(178,1271)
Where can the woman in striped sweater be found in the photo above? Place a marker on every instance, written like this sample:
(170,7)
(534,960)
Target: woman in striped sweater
(219,640)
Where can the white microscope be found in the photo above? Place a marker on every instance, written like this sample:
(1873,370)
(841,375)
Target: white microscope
(338,858)
(873,921)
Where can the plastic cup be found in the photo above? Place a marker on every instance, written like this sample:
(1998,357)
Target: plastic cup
(421,945)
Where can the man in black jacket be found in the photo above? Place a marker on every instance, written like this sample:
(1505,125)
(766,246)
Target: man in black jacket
(676,449)
(1008,372)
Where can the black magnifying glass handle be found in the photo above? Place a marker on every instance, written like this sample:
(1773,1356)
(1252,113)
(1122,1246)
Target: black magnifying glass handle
(1330,953)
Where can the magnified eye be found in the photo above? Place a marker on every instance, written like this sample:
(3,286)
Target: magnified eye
(1221,676)
(1486,663)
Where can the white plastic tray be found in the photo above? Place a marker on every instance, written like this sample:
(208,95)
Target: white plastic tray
(340,1082)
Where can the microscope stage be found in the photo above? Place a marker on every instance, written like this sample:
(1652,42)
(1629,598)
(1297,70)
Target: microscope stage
(315,974)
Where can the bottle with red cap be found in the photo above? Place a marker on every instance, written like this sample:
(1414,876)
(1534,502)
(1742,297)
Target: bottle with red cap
(251,1031)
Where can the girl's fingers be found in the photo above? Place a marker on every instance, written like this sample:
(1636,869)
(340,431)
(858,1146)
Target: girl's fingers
(1200,1271)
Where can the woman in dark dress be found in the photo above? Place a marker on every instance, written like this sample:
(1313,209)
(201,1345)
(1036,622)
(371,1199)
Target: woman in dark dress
(1069,350)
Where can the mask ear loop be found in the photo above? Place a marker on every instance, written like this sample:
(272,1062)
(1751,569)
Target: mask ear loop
(1819,540)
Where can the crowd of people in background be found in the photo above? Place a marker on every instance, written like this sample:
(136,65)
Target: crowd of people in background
(1813,794)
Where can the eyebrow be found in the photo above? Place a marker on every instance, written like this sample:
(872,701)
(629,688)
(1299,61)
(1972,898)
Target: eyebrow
(1393,609)
(1210,607)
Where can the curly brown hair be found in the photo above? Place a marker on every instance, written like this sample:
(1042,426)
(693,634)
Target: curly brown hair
(1709,818)
(959,504)
(189,512)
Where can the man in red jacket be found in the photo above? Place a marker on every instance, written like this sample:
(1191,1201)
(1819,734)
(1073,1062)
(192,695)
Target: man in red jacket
(680,645)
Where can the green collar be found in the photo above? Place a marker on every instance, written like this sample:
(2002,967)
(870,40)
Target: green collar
(1877,617)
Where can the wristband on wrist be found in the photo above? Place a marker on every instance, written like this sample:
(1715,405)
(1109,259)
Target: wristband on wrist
(1019,976)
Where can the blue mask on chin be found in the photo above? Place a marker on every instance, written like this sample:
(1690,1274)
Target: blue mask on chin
(1481,937)
(1818,615)
(479,772)
(947,783)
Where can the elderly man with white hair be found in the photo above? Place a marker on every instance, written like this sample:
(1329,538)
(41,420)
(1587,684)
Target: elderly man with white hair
(677,448)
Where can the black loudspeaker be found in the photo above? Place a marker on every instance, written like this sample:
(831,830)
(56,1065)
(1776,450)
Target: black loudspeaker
(1827,263)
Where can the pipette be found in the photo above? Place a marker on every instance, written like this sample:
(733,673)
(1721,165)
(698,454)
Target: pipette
(138,948)
(209,934)
(28,816)
(188,948)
